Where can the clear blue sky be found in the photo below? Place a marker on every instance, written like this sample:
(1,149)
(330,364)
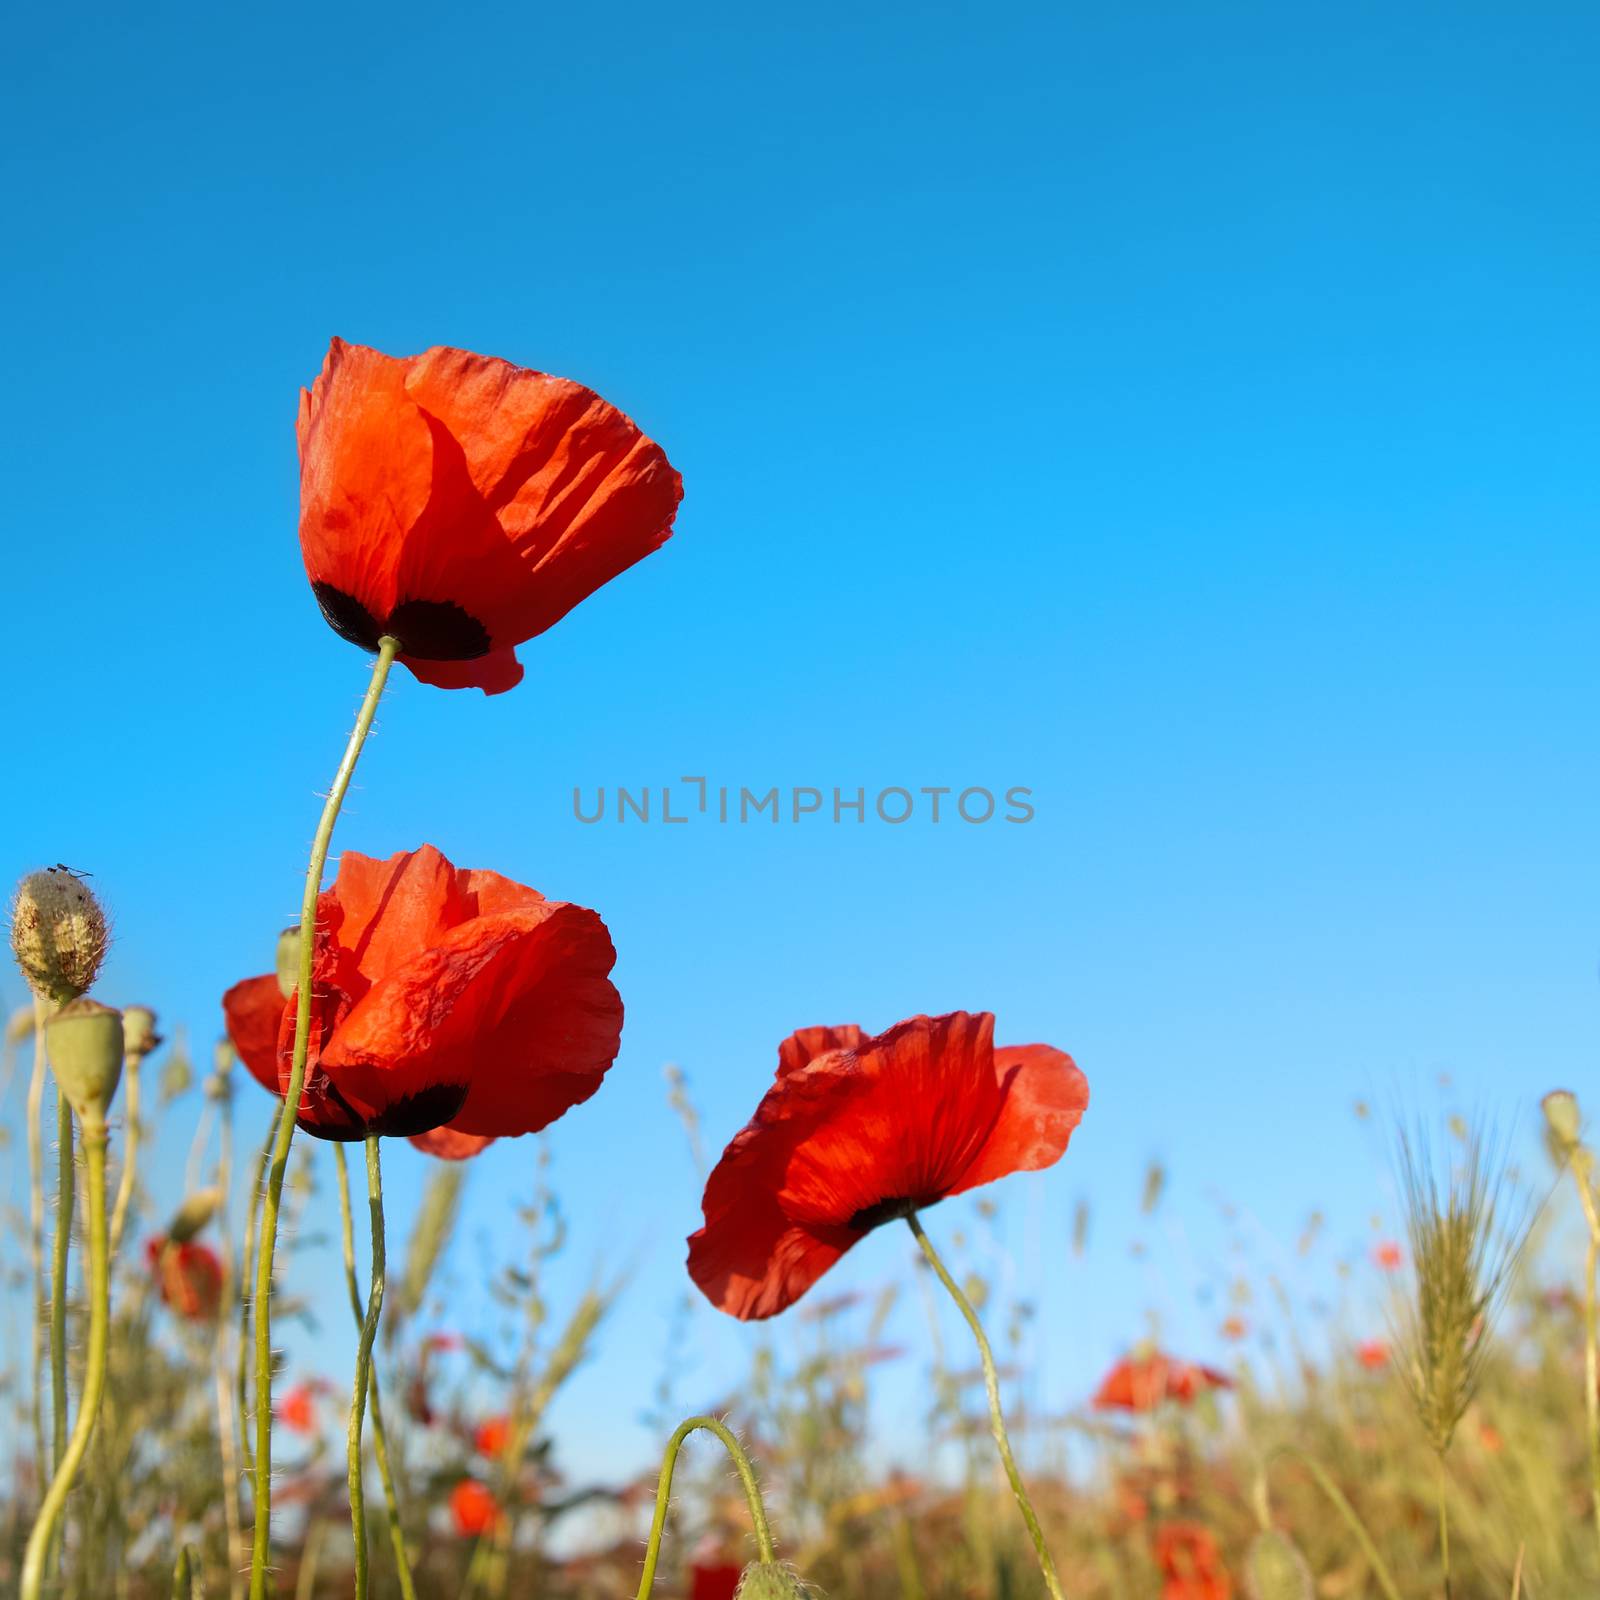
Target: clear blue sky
(1187,412)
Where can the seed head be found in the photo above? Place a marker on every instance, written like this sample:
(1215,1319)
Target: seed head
(83,1041)
(289,961)
(1563,1124)
(195,1212)
(139,1036)
(58,933)
(769,1580)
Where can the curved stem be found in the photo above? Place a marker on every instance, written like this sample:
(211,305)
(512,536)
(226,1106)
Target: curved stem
(997,1421)
(246,1302)
(36,1218)
(94,1380)
(261,1545)
(747,1476)
(366,1378)
(130,1147)
(1344,1508)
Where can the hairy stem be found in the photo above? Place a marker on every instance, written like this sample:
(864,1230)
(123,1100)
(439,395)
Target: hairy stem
(36,1221)
(252,1219)
(94,1379)
(261,1546)
(130,1147)
(747,1476)
(997,1421)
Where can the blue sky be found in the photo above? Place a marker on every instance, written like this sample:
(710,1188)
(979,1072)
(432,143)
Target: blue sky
(1185,412)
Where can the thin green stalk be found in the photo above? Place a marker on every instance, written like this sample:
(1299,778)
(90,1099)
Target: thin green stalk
(94,1379)
(246,1279)
(1444,1528)
(1591,1332)
(36,1219)
(1346,1511)
(366,1379)
(187,1583)
(261,1546)
(130,1147)
(997,1421)
(66,1193)
(747,1476)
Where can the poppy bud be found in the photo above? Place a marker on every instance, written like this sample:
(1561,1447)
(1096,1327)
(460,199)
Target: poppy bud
(84,1044)
(767,1580)
(289,960)
(20,1025)
(195,1212)
(1562,1119)
(58,933)
(139,1036)
(1275,1570)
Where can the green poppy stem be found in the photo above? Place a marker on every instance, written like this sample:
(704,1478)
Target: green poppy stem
(261,1546)
(364,1370)
(66,1194)
(380,1437)
(997,1421)
(130,1146)
(94,1379)
(36,1217)
(252,1220)
(747,1476)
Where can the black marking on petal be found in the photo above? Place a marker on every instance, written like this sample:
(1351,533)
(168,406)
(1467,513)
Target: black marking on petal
(347,616)
(421,1112)
(874,1216)
(438,630)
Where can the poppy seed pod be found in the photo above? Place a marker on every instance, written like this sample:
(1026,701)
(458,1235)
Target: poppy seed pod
(767,1580)
(139,1036)
(195,1212)
(1275,1570)
(84,1044)
(58,933)
(1562,1119)
(289,961)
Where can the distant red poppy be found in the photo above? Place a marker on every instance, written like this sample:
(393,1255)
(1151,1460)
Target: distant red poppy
(1388,1255)
(449,1145)
(188,1276)
(491,1436)
(1372,1354)
(463,505)
(253,1011)
(297,1409)
(473,1508)
(714,1580)
(857,1131)
(1145,1382)
(1191,1564)
(444,999)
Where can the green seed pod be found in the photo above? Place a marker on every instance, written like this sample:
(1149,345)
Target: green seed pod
(83,1041)
(195,1212)
(58,933)
(1562,1119)
(1275,1570)
(768,1580)
(289,961)
(139,1036)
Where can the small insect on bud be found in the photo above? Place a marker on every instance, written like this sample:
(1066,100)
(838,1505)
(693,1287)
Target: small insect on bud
(768,1580)
(1562,1119)
(289,961)
(139,1036)
(84,1043)
(1274,1569)
(195,1212)
(58,933)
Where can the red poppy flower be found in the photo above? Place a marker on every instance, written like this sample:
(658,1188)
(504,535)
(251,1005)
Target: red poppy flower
(473,1508)
(448,1144)
(188,1276)
(444,999)
(491,1436)
(297,1409)
(1143,1383)
(857,1131)
(1191,1564)
(714,1580)
(463,505)
(1372,1354)
(253,1011)
(1388,1255)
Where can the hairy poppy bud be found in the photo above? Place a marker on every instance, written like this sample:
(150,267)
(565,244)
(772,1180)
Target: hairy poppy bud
(1562,1119)
(58,933)
(289,960)
(1275,1570)
(139,1036)
(767,1580)
(195,1212)
(84,1044)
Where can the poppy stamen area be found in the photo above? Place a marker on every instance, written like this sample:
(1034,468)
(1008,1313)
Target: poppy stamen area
(896,1210)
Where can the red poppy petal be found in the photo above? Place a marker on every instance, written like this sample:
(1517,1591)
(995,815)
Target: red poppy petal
(378,914)
(514,1008)
(448,1145)
(1045,1098)
(806,1044)
(494,673)
(254,1011)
